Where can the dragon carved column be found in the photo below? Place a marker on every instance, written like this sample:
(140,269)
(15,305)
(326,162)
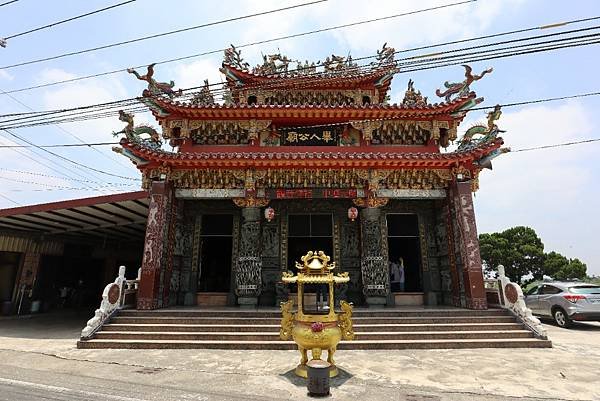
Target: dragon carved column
(157,262)
(248,266)
(468,244)
(374,264)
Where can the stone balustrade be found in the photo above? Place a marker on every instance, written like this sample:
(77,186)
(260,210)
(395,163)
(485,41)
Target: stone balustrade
(511,297)
(119,294)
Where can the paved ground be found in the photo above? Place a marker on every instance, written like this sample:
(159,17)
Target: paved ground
(38,360)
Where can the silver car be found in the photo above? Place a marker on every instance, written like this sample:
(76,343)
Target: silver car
(565,302)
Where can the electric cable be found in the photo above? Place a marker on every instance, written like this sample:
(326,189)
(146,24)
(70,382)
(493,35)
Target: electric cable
(419,63)
(69,160)
(245,45)
(67,20)
(92,49)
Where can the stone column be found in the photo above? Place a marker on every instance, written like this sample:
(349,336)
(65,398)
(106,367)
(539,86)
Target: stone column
(249,262)
(374,269)
(157,262)
(468,244)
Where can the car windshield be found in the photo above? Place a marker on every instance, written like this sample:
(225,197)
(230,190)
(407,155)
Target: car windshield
(585,289)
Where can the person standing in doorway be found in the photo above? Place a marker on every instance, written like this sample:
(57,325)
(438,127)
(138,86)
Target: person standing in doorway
(394,276)
(400,265)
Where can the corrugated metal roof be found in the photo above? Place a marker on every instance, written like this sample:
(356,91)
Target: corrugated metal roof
(118,217)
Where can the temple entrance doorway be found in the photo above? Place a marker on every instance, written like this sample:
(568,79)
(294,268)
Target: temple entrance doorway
(308,232)
(404,252)
(214,272)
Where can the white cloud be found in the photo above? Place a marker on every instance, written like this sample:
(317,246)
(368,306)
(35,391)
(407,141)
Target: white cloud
(551,190)
(49,75)
(6,76)
(193,74)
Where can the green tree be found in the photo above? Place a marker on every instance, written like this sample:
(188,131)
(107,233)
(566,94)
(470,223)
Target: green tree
(560,268)
(518,249)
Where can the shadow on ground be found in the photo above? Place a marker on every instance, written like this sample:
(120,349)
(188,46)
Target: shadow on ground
(337,381)
(64,324)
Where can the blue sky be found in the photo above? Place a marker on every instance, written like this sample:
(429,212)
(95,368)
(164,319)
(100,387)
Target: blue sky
(554,191)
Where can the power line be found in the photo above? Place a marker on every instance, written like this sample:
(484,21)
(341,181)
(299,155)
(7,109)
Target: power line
(64,170)
(260,42)
(8,2)
(68,19)
(535,101)
(550,99)
(92,49)
(419,65)
(558,145)
(401,51)
(21,172)
(44,184)
(6,197)
(70,133)
(69,160)
(64,145)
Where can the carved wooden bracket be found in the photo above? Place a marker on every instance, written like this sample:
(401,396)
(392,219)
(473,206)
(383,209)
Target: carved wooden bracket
(251,202)
(367,128)
(370,202)
(255,127)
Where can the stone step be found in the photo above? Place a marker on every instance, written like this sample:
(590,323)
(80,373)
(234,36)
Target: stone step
(276,313)
(275,327)
(274,336)
(289,345)
(274,320)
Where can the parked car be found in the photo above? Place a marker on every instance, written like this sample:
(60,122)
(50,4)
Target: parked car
(565,302)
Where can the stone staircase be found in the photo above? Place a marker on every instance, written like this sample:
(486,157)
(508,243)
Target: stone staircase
(259,329)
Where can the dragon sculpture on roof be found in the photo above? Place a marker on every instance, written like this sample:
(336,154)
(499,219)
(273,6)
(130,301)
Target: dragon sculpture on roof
(481,134)
(461,88)
(156,88)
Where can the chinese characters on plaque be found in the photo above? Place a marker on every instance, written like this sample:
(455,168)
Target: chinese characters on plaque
(312,136)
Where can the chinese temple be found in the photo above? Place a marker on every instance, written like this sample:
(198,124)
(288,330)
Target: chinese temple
(291,156)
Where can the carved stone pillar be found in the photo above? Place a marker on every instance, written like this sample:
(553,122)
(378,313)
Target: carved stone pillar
(374,270)
(249,262)
(157,261)
(468,244)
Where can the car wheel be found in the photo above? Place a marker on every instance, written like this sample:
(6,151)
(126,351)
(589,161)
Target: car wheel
(561,318)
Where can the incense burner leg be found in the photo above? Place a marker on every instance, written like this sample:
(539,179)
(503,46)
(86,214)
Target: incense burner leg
(330,353)
(303,355)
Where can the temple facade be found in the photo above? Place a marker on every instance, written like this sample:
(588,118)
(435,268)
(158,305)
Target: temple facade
(292,156)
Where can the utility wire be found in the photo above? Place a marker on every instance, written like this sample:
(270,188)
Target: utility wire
(8,2)
(534,101)
(419,66)
(371,56)
(69,160)
(92,49)
(558,145)
(260,42)
(21,172)
(64,145)
(67,20)
(37,160)
(70,133)
(6,197)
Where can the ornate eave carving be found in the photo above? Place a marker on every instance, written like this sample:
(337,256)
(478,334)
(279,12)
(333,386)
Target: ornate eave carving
(367,128)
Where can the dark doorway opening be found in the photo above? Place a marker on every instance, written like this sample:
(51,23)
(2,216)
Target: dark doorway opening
(404,251)
(9,265)
(215,253)
(309,232)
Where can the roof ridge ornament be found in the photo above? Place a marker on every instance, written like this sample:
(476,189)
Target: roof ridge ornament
(233,57)
(155,88)
(461,88)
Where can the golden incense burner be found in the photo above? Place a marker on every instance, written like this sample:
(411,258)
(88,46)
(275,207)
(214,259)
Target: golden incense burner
(320,328)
